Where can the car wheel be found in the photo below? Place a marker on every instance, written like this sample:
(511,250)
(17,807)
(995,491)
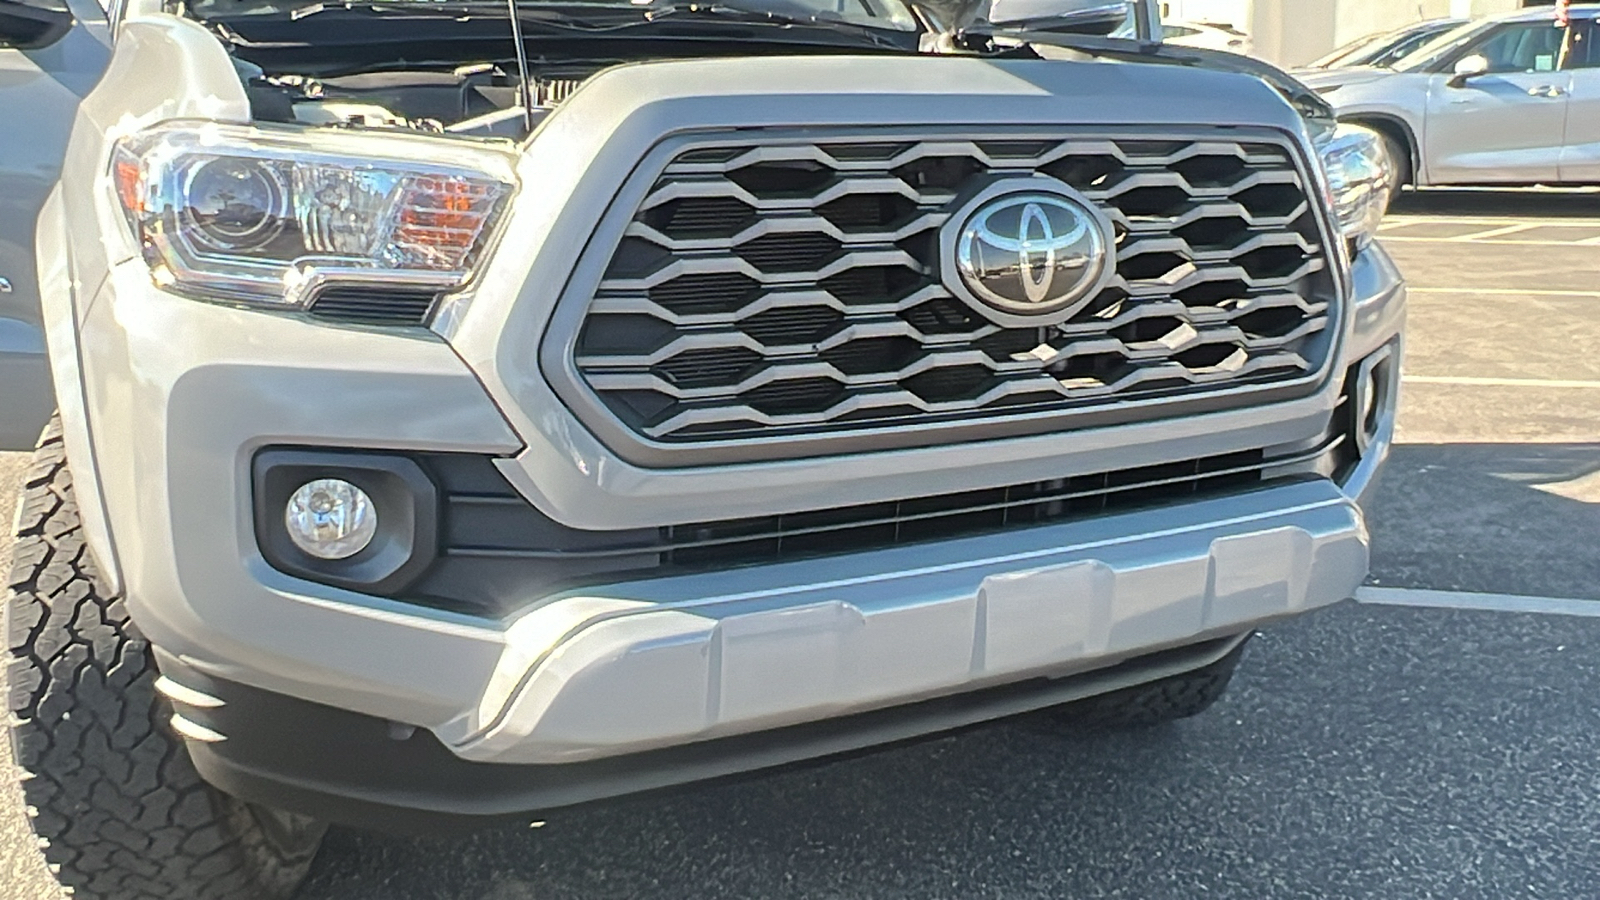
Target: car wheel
(1167,700)
(1400,153)
(117,806)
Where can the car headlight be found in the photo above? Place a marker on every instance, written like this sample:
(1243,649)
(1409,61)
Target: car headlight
(266,215)
(1360,180)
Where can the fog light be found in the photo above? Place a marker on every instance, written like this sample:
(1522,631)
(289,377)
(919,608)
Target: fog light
(1373,389)
(330,518)
(1369,408)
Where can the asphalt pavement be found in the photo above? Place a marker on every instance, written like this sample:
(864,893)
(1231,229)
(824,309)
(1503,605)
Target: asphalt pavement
(1365,751)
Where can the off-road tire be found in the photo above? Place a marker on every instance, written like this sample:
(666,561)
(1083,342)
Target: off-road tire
(1167,700)
(116,803)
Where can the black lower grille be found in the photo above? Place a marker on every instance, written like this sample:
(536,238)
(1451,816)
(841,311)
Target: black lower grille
(382,305)
(874,526)
(498,550)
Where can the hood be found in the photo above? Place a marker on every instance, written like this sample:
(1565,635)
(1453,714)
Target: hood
(1309,103)
(1328,79)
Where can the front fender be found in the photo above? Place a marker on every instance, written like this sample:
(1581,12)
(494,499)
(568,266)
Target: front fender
(59,290)
(162,67)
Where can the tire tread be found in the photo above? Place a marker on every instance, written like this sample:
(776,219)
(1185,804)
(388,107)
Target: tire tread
(119,809)
(1172,698)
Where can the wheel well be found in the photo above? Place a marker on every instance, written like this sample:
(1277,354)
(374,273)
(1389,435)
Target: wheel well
(1400,133)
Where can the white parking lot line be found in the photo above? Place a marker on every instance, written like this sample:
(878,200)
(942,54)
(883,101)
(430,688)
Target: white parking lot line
(1499,382)
(1489,221)
(1511,292)
(1498,232)
(1513,603)
(1470,239)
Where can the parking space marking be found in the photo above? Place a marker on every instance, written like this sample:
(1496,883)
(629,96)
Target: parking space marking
(1497,292)
(1489,221)
(1511,231)
(1502,231)
(1470,239)
(1510,603)
(1499,382)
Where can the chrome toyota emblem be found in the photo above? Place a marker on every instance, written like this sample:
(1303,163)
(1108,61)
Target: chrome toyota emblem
(1031,253)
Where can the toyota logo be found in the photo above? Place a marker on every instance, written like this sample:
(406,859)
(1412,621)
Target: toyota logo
(1032,253)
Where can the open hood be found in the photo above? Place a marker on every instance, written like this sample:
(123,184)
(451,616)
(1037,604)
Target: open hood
(1094,17)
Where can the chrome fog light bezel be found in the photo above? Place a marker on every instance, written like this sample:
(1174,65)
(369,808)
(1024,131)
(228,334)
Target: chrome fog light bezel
(1375,394)
(404,499)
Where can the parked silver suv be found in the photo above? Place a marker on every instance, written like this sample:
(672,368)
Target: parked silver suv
(451,434)
(1511,99)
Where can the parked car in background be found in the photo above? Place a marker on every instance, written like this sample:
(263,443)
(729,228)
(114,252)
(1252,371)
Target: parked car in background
(1385,48)
(44,66)
(1514,99)
(1207,35)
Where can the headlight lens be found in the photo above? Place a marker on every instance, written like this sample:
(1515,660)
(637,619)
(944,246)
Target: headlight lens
(262,215)
(1360,180)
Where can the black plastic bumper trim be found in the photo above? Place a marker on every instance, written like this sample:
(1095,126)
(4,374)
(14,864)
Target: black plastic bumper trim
(352,769)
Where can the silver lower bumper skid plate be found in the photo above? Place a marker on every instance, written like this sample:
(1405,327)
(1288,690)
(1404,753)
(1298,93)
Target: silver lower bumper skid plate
(682,659)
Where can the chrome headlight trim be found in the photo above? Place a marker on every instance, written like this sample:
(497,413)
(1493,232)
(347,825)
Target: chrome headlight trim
(346,206)
(1361,180)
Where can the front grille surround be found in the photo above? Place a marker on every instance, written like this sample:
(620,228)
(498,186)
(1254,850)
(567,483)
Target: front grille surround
(800,308)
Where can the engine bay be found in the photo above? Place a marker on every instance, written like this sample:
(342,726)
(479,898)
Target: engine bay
(453,69)
(479,99)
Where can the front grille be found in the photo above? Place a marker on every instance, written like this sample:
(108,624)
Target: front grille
(792,287)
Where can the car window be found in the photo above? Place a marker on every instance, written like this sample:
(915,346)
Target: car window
(1402,49)
(27,30)
(1581,53)
(1443,47)
(1347,51)
(1524,47)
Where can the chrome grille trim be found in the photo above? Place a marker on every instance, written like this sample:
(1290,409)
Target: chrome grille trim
(1018,395)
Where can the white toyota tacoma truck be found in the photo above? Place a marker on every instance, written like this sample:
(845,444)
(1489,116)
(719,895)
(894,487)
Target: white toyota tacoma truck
(458,411)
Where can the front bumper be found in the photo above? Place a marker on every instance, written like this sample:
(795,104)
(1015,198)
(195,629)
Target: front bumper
(193,391)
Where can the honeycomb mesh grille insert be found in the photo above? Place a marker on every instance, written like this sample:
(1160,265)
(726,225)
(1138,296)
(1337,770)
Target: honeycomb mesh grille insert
(792,287)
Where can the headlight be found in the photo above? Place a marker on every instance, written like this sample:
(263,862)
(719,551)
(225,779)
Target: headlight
(1360,180)
(266,215)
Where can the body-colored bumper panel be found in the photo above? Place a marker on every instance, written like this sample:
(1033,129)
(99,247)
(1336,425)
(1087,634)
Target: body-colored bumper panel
(683,659)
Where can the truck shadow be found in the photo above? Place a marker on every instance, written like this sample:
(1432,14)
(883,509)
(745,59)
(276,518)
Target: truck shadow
(1364,751)
(1541,204)
(1503,518)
